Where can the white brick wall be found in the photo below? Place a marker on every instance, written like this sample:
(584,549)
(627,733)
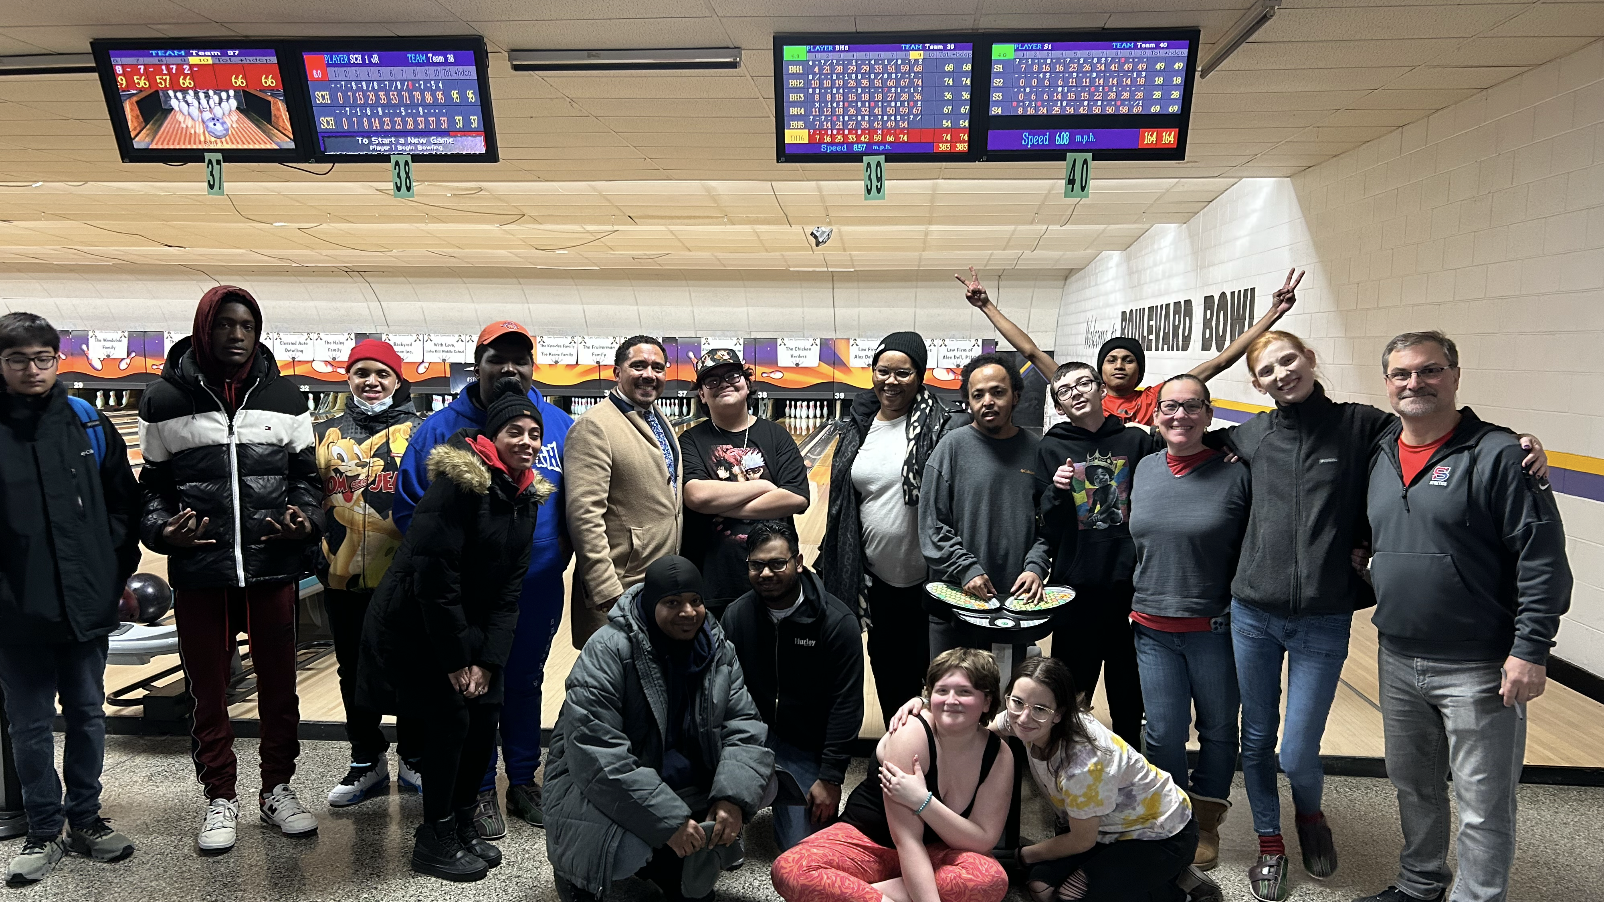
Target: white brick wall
(1485,220)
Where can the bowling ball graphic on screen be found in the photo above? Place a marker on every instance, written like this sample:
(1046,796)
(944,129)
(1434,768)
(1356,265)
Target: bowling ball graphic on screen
(146,599)
(215,125)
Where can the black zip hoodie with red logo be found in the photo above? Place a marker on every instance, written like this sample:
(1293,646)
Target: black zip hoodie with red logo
(1469,558)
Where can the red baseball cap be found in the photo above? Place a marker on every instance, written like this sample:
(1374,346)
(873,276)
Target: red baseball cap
(376,350)
(503,327)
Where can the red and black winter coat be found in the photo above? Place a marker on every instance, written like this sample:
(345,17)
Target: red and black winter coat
(236,470)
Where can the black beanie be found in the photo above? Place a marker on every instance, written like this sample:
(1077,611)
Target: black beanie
(910,343)
(511,404)
(670,575)
(1129,344)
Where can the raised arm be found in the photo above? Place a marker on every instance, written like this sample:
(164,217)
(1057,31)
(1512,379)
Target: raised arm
(1023,343)
(1284,298)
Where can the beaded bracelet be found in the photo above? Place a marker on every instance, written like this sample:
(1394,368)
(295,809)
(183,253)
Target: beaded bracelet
(925,803)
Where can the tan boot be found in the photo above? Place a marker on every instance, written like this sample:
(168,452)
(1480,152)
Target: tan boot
(1209,814)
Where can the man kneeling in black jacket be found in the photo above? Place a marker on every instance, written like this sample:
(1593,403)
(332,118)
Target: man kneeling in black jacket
(803,659)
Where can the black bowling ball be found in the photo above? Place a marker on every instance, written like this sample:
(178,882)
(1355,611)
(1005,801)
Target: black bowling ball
(154,596)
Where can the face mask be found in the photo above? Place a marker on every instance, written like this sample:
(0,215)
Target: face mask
(375,407)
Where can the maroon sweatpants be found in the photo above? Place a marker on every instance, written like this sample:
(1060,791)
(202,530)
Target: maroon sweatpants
(208,622)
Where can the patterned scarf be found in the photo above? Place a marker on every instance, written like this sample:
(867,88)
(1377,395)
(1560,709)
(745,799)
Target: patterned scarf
(921,423)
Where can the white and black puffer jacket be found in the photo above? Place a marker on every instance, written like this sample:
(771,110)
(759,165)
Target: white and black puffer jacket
(237,471)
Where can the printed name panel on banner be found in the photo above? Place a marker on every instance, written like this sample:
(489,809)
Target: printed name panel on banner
(104,345)
(720,341)
(955,353)
(448,348)
(862,351)
(598,350)
(797,352)
(557,350)
(333,346)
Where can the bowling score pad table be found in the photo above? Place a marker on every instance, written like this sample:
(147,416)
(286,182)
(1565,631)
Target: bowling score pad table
(1006,622)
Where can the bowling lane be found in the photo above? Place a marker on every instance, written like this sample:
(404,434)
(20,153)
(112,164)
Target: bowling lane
(182,132)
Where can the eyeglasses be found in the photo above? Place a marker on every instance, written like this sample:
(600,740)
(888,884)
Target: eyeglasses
(731,378)
(17,363)
(885,374)
(1083,387)
(1191,405)
(777,565)
(1426,374)
(1018,708)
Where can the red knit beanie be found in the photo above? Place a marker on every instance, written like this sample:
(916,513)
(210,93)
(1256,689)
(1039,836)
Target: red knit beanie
(376,350)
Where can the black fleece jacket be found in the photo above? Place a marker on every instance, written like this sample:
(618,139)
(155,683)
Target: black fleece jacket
(1088,527)
(1469,558)
(1310,463)
(805,673)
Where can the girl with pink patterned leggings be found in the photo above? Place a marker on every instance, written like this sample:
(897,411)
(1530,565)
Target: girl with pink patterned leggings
(920,834)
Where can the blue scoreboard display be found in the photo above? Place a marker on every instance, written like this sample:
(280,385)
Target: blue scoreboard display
(1120,99)
(908,99)
(429,101)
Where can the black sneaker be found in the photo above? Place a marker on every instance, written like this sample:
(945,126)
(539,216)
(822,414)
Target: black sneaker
(1319,850)
(525,802)
(1394,894)
(468,835)
(99,841)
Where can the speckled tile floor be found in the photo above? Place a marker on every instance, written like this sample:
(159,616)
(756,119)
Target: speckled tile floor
(361,853)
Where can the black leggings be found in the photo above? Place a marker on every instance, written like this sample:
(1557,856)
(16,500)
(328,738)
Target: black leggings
(1098,637)
(899,643)
(461,737)
(1131,870)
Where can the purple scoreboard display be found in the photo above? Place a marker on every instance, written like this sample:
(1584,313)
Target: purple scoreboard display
(1118,99)
(842,100)
(423,102)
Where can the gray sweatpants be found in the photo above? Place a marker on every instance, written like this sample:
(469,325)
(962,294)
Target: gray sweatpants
(1442,717)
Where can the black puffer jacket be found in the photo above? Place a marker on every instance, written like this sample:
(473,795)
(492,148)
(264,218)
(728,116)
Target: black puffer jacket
(841,562)
(236,470)
(67,540)
(451,597)
(1310,464)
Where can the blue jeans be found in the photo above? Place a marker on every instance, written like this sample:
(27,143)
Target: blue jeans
(1178,670)
(791,822)
(1442,717)
(540,610)
(1313,648)
(32,676)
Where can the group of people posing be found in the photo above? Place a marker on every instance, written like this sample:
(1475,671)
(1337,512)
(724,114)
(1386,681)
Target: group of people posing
(718,675)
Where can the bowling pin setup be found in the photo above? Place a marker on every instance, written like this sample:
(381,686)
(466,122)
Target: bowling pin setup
(206,111)
(804,416)
(114,400)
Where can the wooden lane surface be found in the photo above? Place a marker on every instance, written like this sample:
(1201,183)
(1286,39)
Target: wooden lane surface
(1565,728)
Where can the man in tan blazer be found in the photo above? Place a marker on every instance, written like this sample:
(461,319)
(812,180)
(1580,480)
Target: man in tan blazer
(622,476)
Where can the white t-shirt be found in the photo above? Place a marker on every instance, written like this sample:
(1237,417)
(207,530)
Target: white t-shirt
(1110,781)
(890,525)
(783,613)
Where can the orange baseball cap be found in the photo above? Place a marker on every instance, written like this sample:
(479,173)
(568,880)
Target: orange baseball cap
(503,327)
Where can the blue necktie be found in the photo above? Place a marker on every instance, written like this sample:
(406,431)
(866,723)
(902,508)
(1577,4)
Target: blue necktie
(662,442)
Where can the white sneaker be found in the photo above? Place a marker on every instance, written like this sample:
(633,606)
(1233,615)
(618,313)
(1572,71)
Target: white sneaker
(409,776)
(281,809)
(360,782)
(217,831)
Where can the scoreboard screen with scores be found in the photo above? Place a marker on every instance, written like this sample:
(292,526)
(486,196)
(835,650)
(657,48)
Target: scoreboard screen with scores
(174,103)
(425,100)
(1120,97)
(906,97)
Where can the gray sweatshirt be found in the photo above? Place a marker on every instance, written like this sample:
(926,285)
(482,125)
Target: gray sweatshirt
(977,509)
(1188,532)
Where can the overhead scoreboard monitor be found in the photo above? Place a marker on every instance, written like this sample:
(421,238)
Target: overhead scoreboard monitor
(175,102)
(847,96)
(423,97)
(1120,97)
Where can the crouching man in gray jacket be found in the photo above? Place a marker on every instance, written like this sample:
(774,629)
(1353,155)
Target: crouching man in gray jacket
(658,757)
(1471,579)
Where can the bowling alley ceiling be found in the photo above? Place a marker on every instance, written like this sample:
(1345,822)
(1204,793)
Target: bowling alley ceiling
(676,170)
